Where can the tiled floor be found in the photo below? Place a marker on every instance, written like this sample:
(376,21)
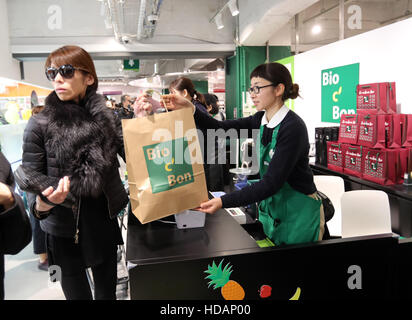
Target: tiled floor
(24,281)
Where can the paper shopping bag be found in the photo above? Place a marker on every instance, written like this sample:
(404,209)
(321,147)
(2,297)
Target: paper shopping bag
(335,156)
(353,160)
(395,130)
(374,129)
(407,131)
(376,97)
(381,166)
(405,160)
(164,164)
(349,128)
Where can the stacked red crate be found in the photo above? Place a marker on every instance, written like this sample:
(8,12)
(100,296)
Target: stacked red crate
(376,142)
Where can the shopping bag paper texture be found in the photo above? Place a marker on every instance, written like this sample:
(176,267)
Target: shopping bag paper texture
(164,164)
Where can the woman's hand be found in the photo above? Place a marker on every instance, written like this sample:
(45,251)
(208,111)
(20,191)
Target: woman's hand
(211,206)
(6,197)
(145,104)
(55,196)
(175,102)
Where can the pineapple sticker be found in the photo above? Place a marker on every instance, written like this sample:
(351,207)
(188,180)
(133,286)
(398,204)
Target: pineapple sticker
(219,278)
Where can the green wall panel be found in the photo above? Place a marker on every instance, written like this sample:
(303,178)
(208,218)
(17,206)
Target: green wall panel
(201,86)
(238,69)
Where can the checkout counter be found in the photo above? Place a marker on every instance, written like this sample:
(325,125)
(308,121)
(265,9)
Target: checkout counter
(169,263)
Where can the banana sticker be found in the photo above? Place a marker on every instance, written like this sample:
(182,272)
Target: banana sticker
(336,93)
(296,296)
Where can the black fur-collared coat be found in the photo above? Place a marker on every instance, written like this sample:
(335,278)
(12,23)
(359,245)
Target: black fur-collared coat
(80,141)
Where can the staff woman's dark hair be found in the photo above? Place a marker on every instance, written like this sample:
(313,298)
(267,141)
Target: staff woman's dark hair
(183,83)
(77,57)
(277,73)
(211,100)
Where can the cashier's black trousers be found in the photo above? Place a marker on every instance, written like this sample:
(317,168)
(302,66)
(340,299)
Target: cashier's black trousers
(64,253)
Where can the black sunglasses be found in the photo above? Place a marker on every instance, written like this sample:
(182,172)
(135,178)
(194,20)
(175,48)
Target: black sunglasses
(66,71)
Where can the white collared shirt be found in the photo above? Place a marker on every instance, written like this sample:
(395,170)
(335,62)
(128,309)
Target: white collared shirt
(276,119)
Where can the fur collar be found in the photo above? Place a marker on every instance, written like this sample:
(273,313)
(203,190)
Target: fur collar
(83,139)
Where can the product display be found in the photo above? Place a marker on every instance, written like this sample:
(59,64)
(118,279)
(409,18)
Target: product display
(376,97)
(407,131)
(322,136)
(374,129)
(395,130)
(353,164)
(381,166)
(335,156)
(373,144)
(349,128)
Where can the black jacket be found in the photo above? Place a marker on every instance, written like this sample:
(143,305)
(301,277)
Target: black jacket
(81,141)
(6,177)
(290,162)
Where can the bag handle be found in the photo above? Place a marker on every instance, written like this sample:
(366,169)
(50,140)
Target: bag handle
(335,145)
(370,162)
(390,89)
(161,97)
(355,149)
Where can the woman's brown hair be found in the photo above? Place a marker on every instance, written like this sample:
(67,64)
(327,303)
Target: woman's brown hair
(277,73)
(77,57)
(183,83)
(37,109)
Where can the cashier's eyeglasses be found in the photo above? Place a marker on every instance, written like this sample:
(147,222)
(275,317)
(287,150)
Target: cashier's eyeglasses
(66,71)
(256,89)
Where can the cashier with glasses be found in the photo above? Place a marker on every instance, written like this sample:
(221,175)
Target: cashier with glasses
(289,208)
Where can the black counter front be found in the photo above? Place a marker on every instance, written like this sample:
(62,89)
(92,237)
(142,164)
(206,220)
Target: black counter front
(170,264)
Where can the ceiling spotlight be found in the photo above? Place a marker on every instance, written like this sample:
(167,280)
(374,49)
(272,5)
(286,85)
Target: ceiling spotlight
(219,22)
(316,29)
(233,7)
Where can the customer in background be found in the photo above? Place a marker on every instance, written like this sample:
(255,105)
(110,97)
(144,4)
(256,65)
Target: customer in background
(217,171)
(213,107)
(185,88)
(8,205)
(125,107)
(39,238)
(75,140)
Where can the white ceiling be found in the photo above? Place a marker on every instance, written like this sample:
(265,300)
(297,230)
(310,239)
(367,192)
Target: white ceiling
(184,36)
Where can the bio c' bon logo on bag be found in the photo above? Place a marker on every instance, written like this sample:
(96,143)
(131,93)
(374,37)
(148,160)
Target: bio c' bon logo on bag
(165,173)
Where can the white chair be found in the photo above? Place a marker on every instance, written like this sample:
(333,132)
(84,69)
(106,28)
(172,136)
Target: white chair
(333,187)
(365,212)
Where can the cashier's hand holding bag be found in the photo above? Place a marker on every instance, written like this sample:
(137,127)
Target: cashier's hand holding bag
(146,105)
(174,102)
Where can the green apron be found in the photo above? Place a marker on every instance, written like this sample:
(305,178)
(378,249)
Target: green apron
(288,216)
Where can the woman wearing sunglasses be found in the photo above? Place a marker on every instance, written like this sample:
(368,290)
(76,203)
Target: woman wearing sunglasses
(289,208)
(75,140)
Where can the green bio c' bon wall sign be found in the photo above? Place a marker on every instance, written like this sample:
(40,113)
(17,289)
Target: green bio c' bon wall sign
(339,91)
